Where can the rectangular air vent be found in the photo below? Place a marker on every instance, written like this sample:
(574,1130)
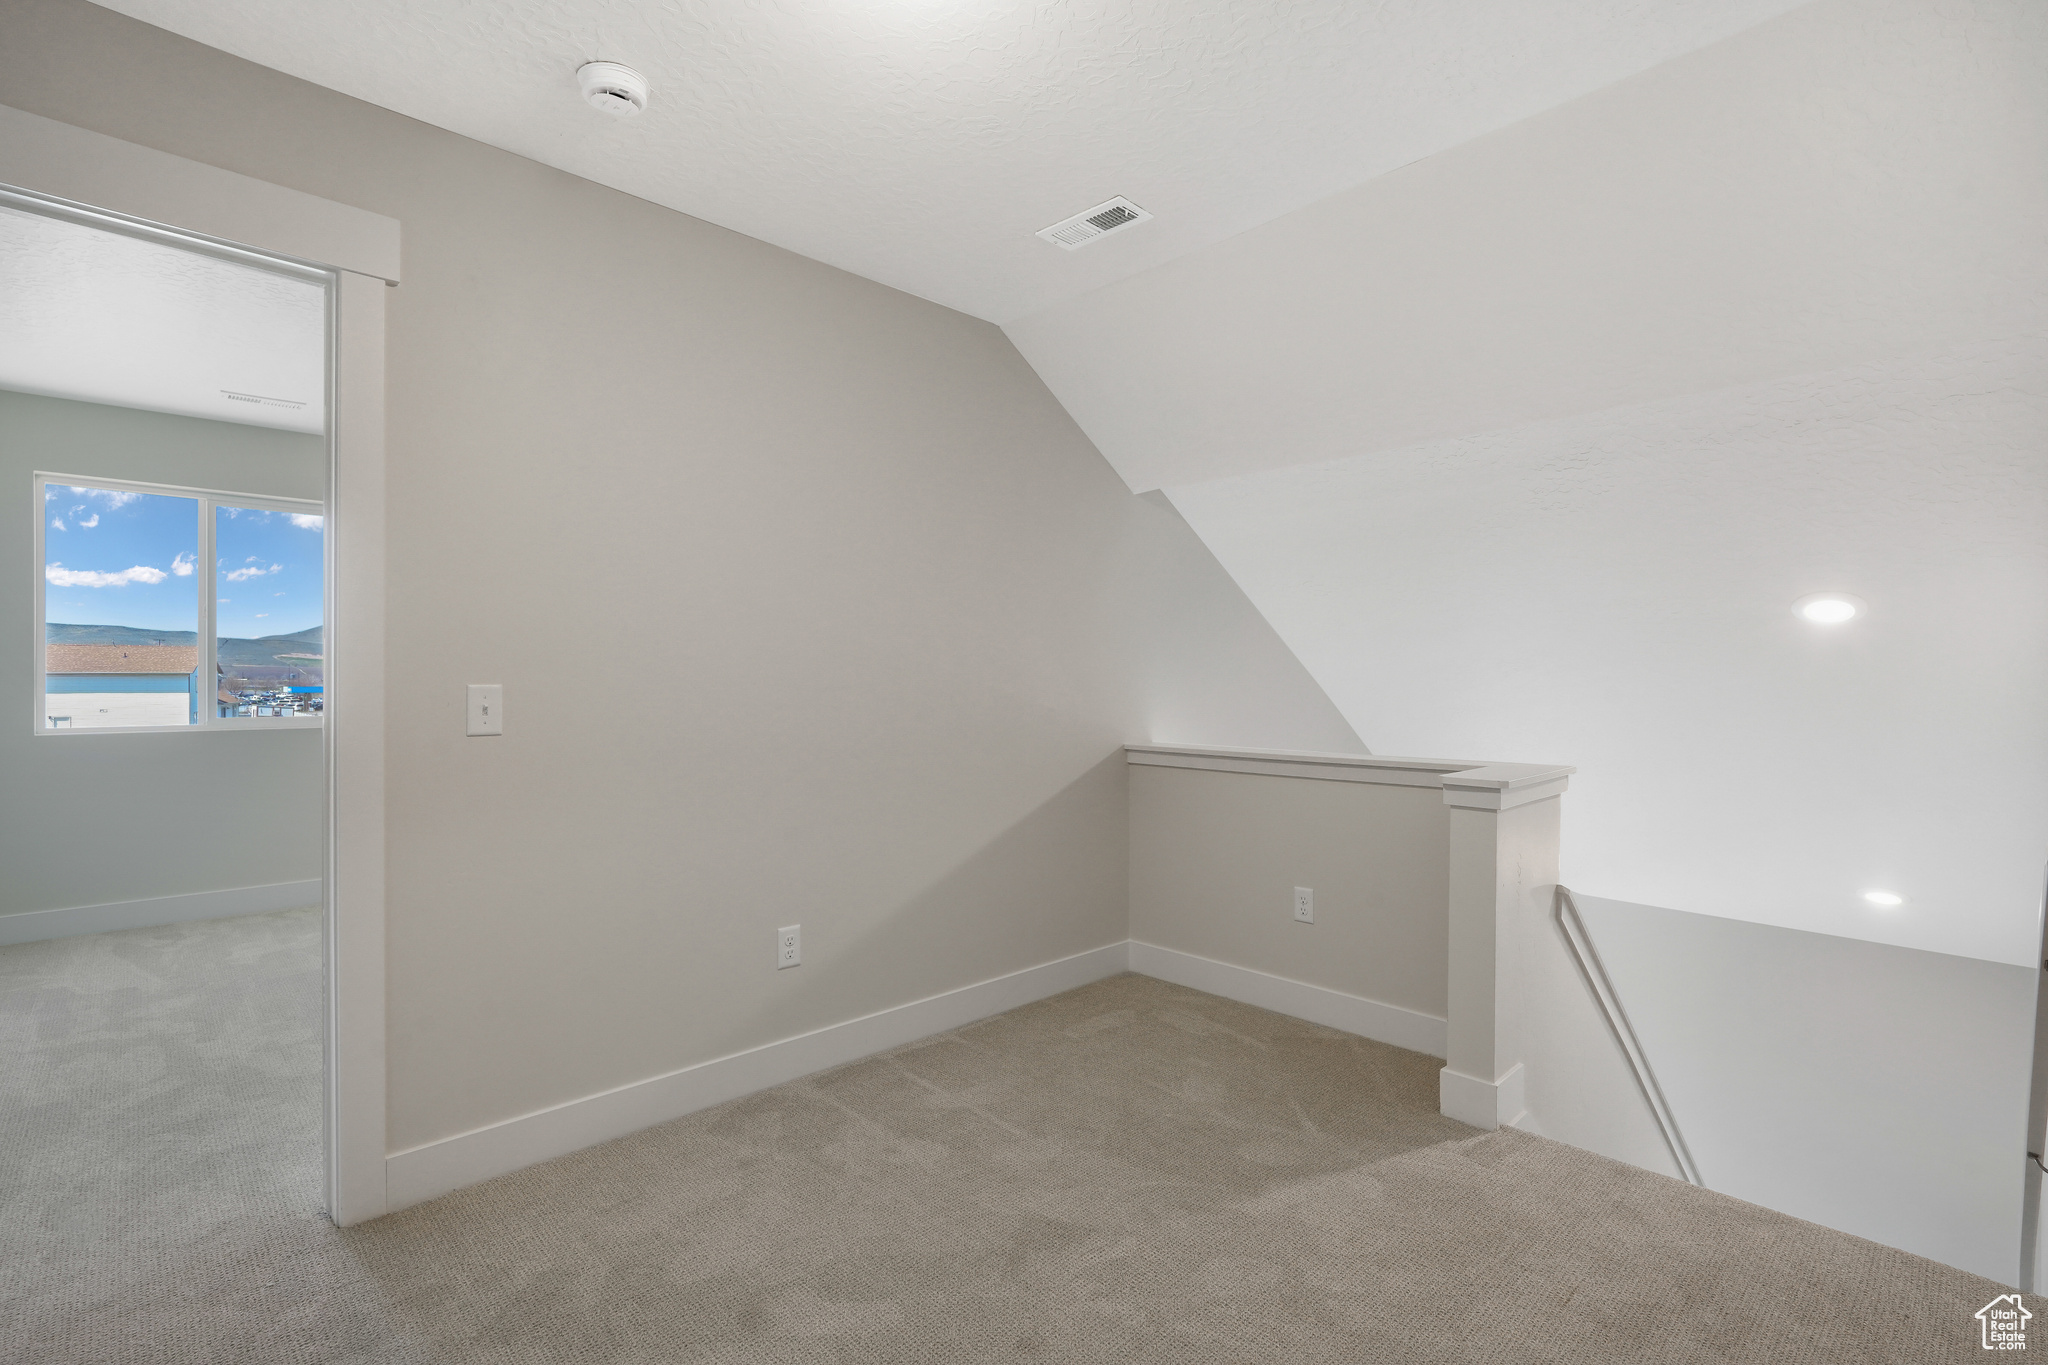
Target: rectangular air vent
(292,403)
(1083,228)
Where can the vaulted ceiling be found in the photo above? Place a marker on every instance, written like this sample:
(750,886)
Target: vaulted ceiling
(922,143)
(1523,360)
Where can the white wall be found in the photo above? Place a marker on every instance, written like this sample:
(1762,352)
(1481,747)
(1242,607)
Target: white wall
(1617,591)
(111,710)
(1215,858)
(1579,1084)
(840,621)
(88,821)
(1869,1088)
(1529,448)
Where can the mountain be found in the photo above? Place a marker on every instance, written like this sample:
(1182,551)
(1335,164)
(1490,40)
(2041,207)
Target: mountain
(57,633)
(267,649)
(232,652)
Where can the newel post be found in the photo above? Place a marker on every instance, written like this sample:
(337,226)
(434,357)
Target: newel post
(1504,832)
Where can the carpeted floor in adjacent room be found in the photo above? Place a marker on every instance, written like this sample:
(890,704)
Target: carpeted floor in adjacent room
(1131,1172)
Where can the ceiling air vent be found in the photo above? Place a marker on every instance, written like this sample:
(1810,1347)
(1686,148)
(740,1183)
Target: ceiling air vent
(1083,228)
(293,403)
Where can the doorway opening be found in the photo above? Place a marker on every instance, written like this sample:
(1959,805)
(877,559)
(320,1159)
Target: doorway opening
(166,462)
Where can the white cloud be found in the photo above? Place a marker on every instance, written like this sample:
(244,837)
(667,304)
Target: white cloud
(250,560)
(261,614)
(223,601)
(89,522)
(277,594)
(307,521)
(62,577)
(182,565)
(56,522)
(114,497)
(237,575)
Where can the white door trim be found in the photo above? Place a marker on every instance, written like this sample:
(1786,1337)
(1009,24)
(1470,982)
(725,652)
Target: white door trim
(96,171)
(155,189)
(354,733)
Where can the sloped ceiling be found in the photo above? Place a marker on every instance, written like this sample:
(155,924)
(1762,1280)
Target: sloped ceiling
(1854,180)
(923,144)
(1528,451)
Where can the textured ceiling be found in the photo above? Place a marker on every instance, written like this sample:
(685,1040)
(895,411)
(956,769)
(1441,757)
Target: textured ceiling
(922,143)
(107,318)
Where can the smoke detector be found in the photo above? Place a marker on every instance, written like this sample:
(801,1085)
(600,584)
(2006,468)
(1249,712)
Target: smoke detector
(613,89)
(1083,228)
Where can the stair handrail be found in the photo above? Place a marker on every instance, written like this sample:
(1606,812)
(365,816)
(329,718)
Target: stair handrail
(1594,971)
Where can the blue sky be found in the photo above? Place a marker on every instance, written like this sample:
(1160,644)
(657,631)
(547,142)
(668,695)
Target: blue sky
(130,559)
(268,572)
(120,559)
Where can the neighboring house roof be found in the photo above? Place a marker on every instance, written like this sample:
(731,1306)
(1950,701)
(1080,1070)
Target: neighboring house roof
(120,658)
(228,698)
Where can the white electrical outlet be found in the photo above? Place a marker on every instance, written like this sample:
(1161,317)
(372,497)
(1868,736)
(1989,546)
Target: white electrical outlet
(789,946)
(486,709)
(1305,905)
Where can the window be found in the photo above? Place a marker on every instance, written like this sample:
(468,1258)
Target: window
(131,636)
(269,661)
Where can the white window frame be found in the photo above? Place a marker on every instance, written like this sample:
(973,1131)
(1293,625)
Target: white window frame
(209,632)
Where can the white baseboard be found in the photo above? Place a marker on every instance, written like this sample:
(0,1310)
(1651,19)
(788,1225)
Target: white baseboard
(432,1169)
(36,925)
(1483,1104)
(1411,1029)
(436,1168)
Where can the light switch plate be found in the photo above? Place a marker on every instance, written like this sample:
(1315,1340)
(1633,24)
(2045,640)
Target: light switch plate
(486,709)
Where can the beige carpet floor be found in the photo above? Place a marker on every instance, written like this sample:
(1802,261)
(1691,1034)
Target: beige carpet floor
(1131,1172)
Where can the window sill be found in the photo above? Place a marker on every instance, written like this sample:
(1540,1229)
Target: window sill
(239,725)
